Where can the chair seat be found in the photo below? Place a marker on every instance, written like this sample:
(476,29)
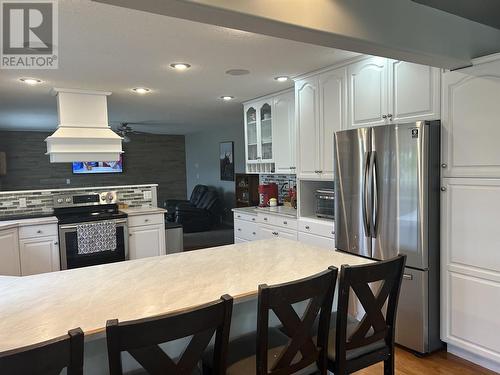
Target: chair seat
(352,324)
(241,354)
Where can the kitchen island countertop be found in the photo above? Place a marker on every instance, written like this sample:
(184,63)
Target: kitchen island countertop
(40,307)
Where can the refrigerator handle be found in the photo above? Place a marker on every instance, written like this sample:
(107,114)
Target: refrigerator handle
(374,189)
(366,201)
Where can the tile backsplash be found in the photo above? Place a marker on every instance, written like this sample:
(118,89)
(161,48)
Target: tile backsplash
(284,181)
(41,201)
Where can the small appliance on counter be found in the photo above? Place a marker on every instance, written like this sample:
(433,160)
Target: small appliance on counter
(325,203)
(266,192)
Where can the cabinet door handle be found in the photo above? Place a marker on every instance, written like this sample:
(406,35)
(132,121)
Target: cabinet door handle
(39,231)
(443,188)
(389,115)
(239,229)
(238,216)
(444,165)
(253,219)
(384,116)
(56,243)
(265,219)
(285,222)
(254,233)
(130,234)
(146,220)
(307,227)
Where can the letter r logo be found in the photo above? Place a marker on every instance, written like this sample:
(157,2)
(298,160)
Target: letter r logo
(27,27)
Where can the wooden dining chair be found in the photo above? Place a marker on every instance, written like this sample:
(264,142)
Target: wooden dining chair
(141,338)
(354,344)
(46,358)
(292,348)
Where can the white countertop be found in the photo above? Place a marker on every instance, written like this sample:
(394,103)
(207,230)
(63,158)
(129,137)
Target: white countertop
(7,224)
(133,211)
(40,307)
(278,210)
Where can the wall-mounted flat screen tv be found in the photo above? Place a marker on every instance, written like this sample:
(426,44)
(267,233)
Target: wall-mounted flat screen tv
(92,167)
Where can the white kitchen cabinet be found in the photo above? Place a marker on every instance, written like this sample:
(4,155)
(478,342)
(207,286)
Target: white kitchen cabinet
(284,133)
(367,92)
(470,267)
(471,122)
(307,108)
(383,91)
(146,241)
(246,230)
(321,107)
(268,232)
(259,137)
(320,241)
(414,92)
(39,255)
(9,252)
(146,236)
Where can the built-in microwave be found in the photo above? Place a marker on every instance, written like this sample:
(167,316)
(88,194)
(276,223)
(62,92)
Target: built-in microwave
(325,203)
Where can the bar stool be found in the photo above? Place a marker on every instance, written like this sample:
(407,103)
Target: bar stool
(354,344)
(289,349)
(46,358)
(141,337)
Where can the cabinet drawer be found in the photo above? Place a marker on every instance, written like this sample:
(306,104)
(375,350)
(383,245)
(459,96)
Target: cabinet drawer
(31,231)
(286,222)
(135,221)
(266,219)
(312,239)
(323,228)
(246,230)
(267,232)
(246,217)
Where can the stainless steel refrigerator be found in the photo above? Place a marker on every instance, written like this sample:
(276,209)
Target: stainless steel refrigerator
(387,203)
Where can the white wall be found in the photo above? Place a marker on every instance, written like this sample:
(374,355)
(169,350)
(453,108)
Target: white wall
(202,159)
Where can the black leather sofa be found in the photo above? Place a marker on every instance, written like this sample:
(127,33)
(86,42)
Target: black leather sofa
(202,217)
(196,196)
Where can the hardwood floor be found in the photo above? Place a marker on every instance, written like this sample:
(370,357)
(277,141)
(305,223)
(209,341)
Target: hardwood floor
(440,363)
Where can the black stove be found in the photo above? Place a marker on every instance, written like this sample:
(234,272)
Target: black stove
(74,212)
(71,215)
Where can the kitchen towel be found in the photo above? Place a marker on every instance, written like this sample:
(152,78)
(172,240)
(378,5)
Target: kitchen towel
(96,237)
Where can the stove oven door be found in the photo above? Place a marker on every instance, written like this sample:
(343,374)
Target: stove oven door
(70,258)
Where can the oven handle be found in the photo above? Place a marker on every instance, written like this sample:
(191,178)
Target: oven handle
(75,225)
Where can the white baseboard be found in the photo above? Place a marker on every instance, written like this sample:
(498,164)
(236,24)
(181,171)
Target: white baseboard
(474,358)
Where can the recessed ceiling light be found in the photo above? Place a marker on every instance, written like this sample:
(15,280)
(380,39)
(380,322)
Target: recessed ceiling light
(237,72)
(180,66)
(31,81)
(281,78)
(227,97)
(141,90)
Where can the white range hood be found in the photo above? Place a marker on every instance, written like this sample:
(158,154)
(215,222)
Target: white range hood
(83,133)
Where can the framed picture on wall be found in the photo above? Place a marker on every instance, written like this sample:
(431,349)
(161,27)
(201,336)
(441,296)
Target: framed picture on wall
(226,160)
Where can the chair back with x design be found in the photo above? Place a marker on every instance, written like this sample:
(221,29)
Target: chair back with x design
(141,338)
(46,358)
(375,325)
(301,351)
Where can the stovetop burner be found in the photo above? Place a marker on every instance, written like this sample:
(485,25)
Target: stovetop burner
(70,209)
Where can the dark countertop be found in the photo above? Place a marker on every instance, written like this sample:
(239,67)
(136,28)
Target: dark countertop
(23,217)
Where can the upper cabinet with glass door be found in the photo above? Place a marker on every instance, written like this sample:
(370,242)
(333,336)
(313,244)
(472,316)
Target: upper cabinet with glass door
(266,132)
(251,134)
(262,126)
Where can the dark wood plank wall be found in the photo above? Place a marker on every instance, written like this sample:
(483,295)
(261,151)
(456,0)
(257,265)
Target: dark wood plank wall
(149,158)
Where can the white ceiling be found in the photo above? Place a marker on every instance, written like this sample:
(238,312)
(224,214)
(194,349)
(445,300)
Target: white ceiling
(103,47)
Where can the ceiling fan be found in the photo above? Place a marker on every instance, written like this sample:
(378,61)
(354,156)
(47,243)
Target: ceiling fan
(124,129)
